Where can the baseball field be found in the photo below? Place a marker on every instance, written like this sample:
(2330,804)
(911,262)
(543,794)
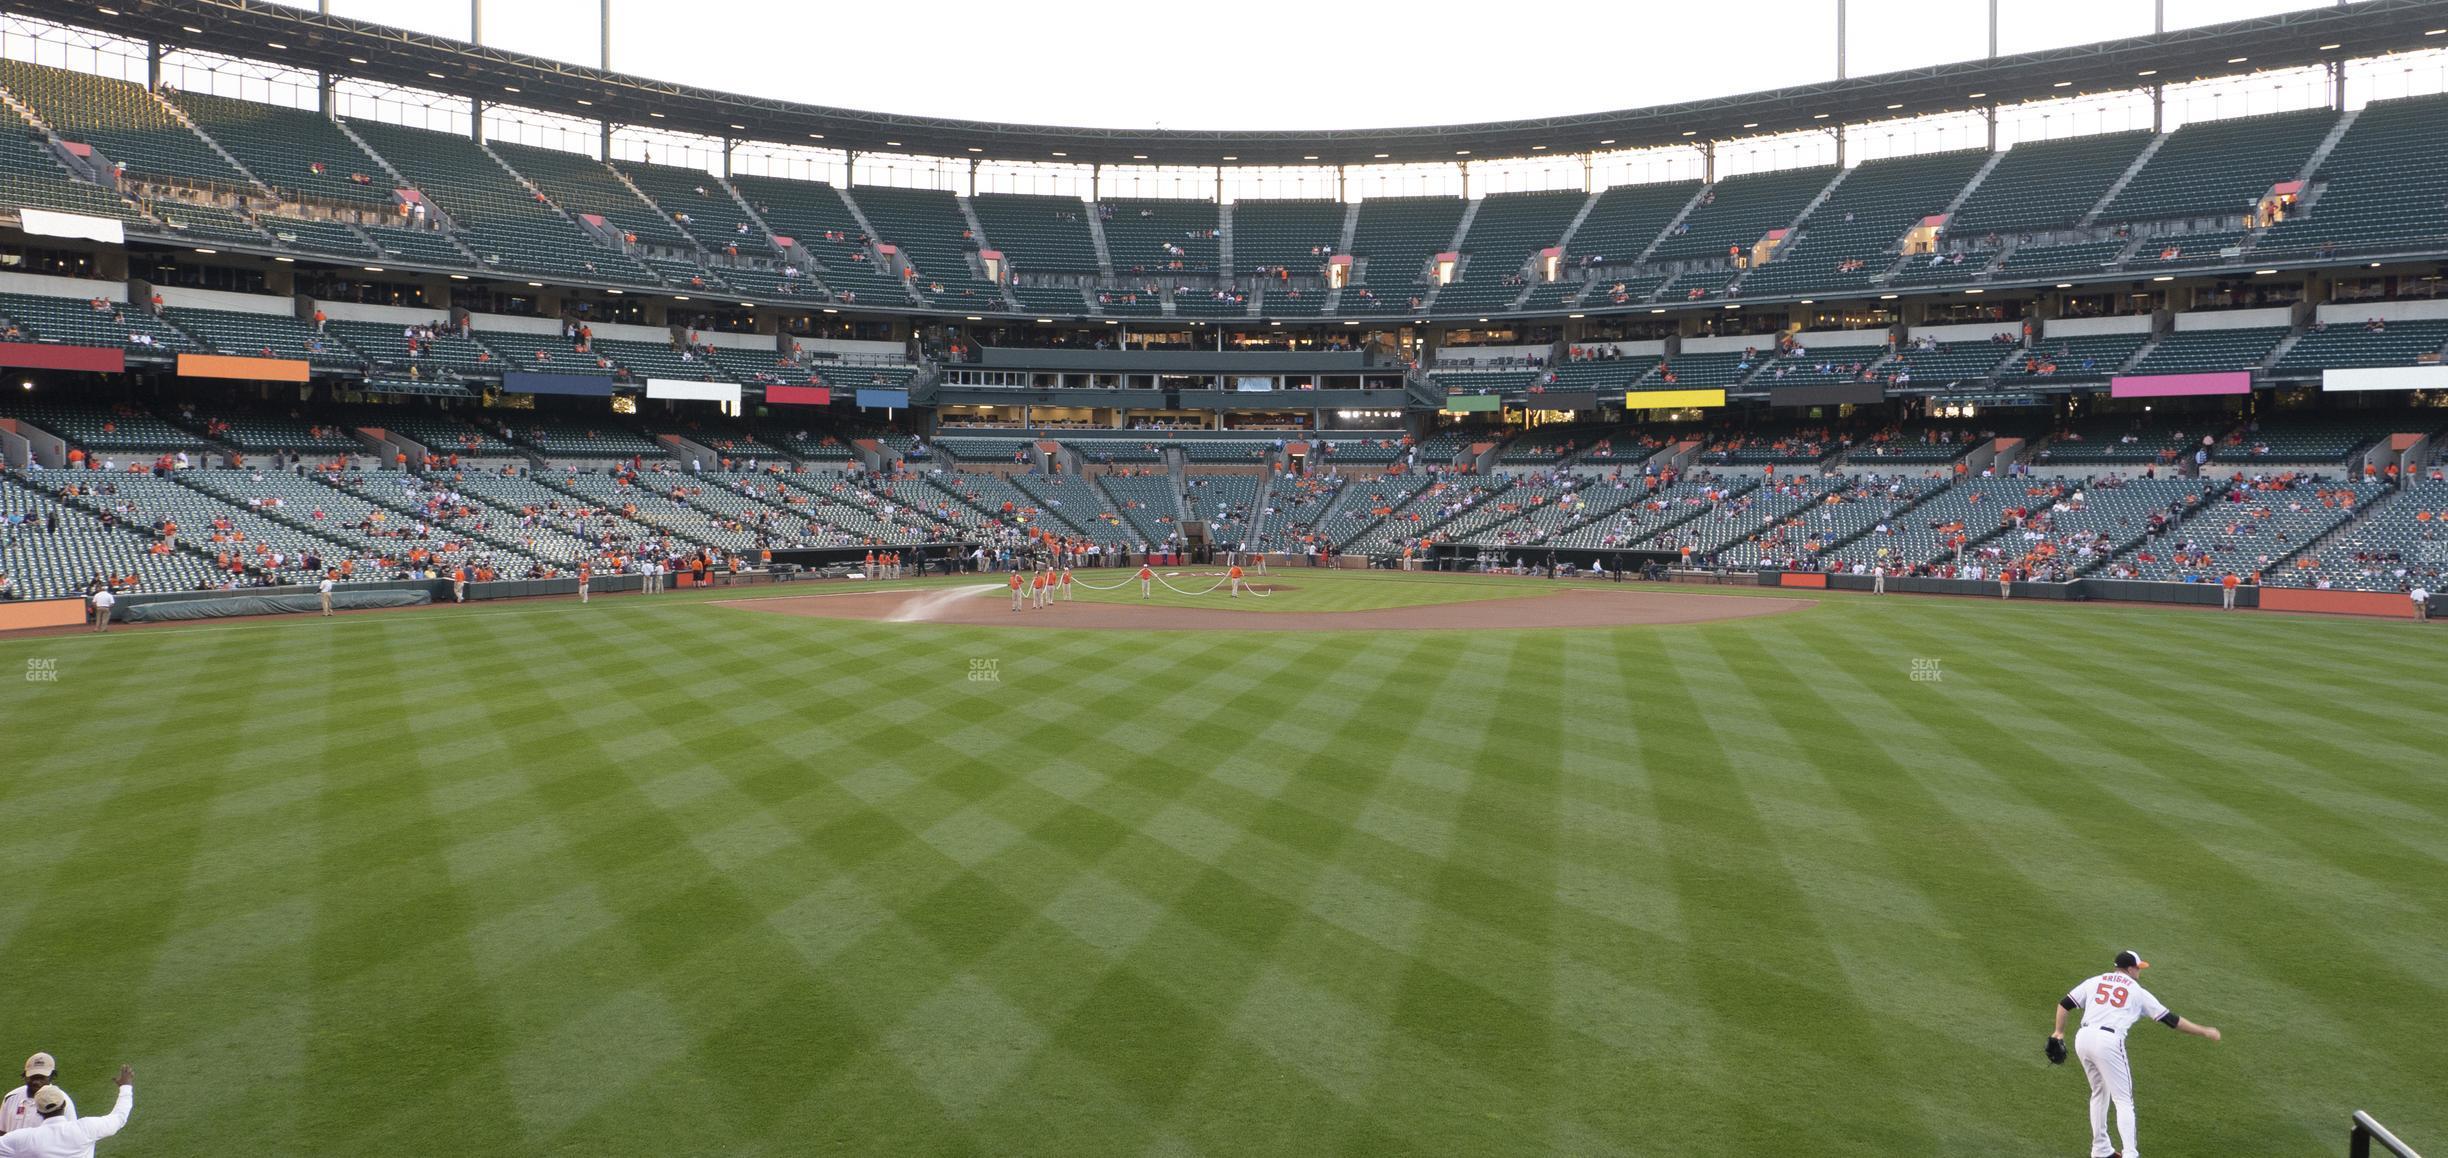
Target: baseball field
(682,875)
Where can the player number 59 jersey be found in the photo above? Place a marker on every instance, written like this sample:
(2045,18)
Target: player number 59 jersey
(2115,1001)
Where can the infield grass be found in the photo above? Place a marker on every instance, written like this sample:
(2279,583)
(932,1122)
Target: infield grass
(669,876)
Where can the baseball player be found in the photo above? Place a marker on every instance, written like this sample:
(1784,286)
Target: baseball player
(1147,575)
(1066,584)
(585,574)
(2112,1004)
(17,1111)
(1037,586)
(1015,586)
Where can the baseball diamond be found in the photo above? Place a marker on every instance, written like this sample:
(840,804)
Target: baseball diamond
(625,579)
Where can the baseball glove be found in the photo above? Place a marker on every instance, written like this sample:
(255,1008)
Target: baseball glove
(2056,1051)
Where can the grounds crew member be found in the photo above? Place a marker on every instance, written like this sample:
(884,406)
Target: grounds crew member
(1146,575)
(17,1110)
(323,590)
(1235,576)
(585,573)
(2112,1003)
(102,601)
(1015,586)
(60,1136)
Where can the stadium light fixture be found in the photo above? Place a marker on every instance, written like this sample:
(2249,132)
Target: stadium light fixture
(1313,156)
(1976,291)
(28,384)
(201,249)
(750,305)
(612,291)
(459,277)
(1536,148)
(1575,315)
(586,102)
(1483,319)
(286,260)
(1461,152)
(2263,272)
(1138,156)
(1045,321)
(191,28)
(1351,323)
(510,88)
(831,310)
(2435,31)
(2331,47)
(2148,72)
(1060,153)
(107,11)
(894,144)
(1657,311)
(373,269)
(1809,301)
(742,128)
(536,284)
(1608,141)
(654,114)
(2374,265)
(1733,305)
(976,149)
(975,318)
(1894,107)
(2165,277)
(1750,124)
(1691,132)
(437,76)
(274,45)
(1381,156)
(680,297)
(1887,297)
(2065,285)
(1819,116)
(2063,84)
(815,136)
(359,60)
(1973,96)
(1232,158)
(2238,59)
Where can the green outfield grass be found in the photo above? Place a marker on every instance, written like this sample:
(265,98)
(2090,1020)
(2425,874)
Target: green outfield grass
(1300,588)
(673,877)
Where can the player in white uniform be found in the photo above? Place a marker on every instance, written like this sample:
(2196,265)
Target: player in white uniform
(2112,1004)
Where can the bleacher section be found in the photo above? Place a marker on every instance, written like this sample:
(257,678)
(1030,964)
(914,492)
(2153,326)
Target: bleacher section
(1851,238)
(1297,235)
(2093,358)
(2198,351)
(247,335)
(583,187)
(2220,167)
(928,226)
(1396,236)
(121,120)
(1037,234)
(1146,236)
(699,204)
(75,321)
(297,152)
(815,217)
(1507,231)
(54,564)
(1739,211)
(2074,259)
(1946,365)
(32,176)
(1626,219)
(2353,344)
(314,235)
(2401,541)
(2046,184)
(2377,187)
(497,218)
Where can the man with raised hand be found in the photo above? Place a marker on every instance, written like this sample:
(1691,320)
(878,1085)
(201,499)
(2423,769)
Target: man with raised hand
(60,1136)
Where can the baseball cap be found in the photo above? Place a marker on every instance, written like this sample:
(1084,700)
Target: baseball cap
(40,1066)
(2131,960)
(50,1100)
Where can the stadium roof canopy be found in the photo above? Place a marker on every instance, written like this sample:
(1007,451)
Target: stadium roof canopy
(373,52)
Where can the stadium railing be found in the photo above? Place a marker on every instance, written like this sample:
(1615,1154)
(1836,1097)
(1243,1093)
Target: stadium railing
(2371,1138)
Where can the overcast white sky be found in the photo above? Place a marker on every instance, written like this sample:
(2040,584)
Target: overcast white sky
(1272,64)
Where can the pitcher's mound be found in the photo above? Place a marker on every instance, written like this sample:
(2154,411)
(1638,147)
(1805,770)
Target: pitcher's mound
(1570,607)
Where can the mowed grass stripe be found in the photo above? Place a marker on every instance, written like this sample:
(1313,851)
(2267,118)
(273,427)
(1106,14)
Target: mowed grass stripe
(1206,893)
